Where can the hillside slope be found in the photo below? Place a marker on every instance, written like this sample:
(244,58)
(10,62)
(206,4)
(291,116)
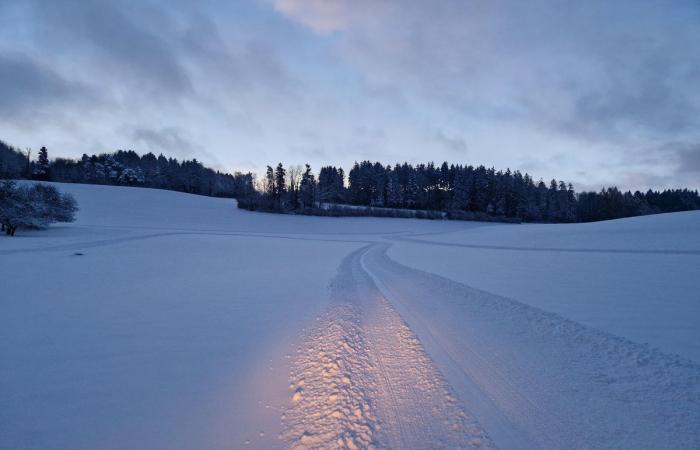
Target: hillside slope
(167,320)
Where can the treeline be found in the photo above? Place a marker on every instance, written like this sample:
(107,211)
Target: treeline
(449,190)
(611,203)
(462,192)
(125,168)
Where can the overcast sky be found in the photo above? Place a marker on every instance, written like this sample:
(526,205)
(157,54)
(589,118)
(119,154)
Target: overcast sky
(595,92)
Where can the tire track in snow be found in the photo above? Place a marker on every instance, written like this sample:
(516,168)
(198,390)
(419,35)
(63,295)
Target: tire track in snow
(361,379)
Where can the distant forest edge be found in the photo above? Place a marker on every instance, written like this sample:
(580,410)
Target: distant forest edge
(127,168)
(448,191)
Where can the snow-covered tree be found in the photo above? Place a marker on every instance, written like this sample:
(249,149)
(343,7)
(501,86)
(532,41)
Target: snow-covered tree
(131,176)
(33,206)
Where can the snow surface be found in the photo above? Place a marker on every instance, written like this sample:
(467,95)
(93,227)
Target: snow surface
(638,278)
(168,320)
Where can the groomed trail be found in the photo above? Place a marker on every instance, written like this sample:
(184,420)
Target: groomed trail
(362,379)
(408,359)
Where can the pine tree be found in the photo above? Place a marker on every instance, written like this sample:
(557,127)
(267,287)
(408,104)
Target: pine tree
(330,184)
(480,197)
(355,185)
(411,193)
(445,177)
(270,181)
(552,202)
(461,191)
(326,185)
(280,187)
(394,198)
(541,199)
(378,185)
(307,188)
(340,185)
(42,167)
(570,215)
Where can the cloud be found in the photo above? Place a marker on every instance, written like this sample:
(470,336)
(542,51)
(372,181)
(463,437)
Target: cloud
(144,52)
(593,70)
(27,86)
(138,74)
(241,65)
(562,87)
(133,45)
(168,141)
(686,155)
(326,16)
(645,180)
(690,160)
(317,153)
(456,144)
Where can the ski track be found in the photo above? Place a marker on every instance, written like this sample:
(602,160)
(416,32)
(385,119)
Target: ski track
(113,241)
(536,380)
(529,379)
(413,240)
(361,379)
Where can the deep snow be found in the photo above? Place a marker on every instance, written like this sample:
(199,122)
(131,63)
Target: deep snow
(187,323)
(638,278)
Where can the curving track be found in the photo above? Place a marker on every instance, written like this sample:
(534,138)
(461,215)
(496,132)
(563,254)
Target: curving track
(437,364)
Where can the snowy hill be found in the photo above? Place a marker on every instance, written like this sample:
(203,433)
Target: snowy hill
(636,277)
(166,320)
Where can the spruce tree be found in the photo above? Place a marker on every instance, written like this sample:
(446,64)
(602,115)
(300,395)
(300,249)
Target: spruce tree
(307,188)
(411,194)
(270,181)
(461,191)
(42,168)
(280,187)
(394,198)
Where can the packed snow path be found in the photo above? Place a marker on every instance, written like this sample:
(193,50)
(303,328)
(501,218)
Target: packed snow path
(363,380)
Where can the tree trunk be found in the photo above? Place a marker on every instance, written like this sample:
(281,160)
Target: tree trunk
(12,231)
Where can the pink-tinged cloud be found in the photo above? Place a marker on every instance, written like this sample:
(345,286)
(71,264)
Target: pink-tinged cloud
(329,16)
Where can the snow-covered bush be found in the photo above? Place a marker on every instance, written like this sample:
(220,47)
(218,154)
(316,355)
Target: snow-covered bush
(33,206)
(131,176)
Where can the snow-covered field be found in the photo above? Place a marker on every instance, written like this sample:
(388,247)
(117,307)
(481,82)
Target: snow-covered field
(167,320)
